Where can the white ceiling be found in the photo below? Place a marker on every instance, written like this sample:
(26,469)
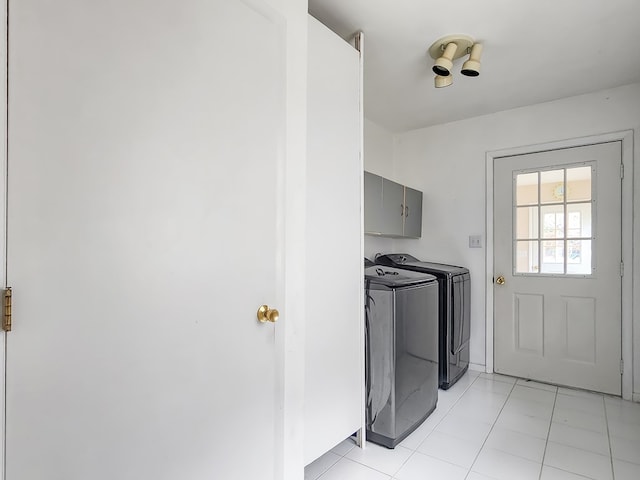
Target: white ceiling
(534,51)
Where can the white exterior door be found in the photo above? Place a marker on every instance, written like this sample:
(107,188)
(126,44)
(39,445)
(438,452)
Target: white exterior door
(557,266)
(144,231)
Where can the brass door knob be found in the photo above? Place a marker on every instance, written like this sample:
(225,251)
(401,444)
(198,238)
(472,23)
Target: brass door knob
(266,314)
(500,280)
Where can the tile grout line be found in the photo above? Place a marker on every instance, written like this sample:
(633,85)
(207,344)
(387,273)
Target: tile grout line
(546,441)
(491,430)
(319,477)
(439,422)
(414,451)
(445,413)
(340,457)
(606,421)
(580,448)
(467,389)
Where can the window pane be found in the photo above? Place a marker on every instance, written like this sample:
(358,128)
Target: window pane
(526,257)
(527,222)
(579,220)
(552,256)
(553,224)
(579,257)
(552,186)
(552,221)
(578,184)
(527,188)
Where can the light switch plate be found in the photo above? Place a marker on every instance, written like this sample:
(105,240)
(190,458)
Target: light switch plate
(475,241)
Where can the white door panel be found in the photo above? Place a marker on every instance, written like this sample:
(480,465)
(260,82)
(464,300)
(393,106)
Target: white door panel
(334,329)
(558,248)
(144,231)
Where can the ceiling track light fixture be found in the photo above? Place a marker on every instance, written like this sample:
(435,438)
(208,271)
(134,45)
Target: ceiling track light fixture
(447,49)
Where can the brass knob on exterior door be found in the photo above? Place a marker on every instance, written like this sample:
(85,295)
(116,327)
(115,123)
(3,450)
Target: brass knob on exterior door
(266,314)
(500,280)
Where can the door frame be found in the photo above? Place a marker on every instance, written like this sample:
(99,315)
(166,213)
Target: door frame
(4,92)
(630,289)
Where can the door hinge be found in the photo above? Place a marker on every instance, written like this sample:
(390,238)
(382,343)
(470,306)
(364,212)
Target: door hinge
(6,309)
(622,269)
(621,366)
(622,170)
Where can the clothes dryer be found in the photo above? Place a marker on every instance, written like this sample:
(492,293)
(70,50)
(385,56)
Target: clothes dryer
(454,311)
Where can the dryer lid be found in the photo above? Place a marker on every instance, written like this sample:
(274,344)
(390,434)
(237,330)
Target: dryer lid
(404,260)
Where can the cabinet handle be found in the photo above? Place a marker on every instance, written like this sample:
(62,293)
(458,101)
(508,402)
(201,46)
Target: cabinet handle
(401,210)
(406,212)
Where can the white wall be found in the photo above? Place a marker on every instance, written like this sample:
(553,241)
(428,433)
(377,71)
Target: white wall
(378,159)
(447,162)
(378,149)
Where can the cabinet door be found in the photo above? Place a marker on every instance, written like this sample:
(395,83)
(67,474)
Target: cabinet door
(412,213)
(373,220)
(392,208)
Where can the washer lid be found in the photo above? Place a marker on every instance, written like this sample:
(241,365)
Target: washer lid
(406,261)
(395,277)
(394,259)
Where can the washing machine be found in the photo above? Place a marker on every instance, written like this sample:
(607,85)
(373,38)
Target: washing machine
(401,321)
(454,314)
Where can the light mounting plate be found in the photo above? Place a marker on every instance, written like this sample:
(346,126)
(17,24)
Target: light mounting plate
(464,42)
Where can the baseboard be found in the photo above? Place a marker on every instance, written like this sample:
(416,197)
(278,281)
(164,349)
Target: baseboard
(476,367)
(636,397)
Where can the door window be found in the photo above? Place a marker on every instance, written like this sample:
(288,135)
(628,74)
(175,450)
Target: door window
(553,221)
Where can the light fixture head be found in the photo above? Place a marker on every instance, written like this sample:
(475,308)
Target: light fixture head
(441,81)
(471,68)
(444,63)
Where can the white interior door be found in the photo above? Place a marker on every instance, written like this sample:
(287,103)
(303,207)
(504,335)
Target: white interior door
(144,231)
(334,350)
(557,266)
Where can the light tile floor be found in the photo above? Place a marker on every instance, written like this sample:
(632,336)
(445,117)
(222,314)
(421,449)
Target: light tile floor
(492,427)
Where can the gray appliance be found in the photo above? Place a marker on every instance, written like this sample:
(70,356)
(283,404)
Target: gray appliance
(401,315)
(455,300)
